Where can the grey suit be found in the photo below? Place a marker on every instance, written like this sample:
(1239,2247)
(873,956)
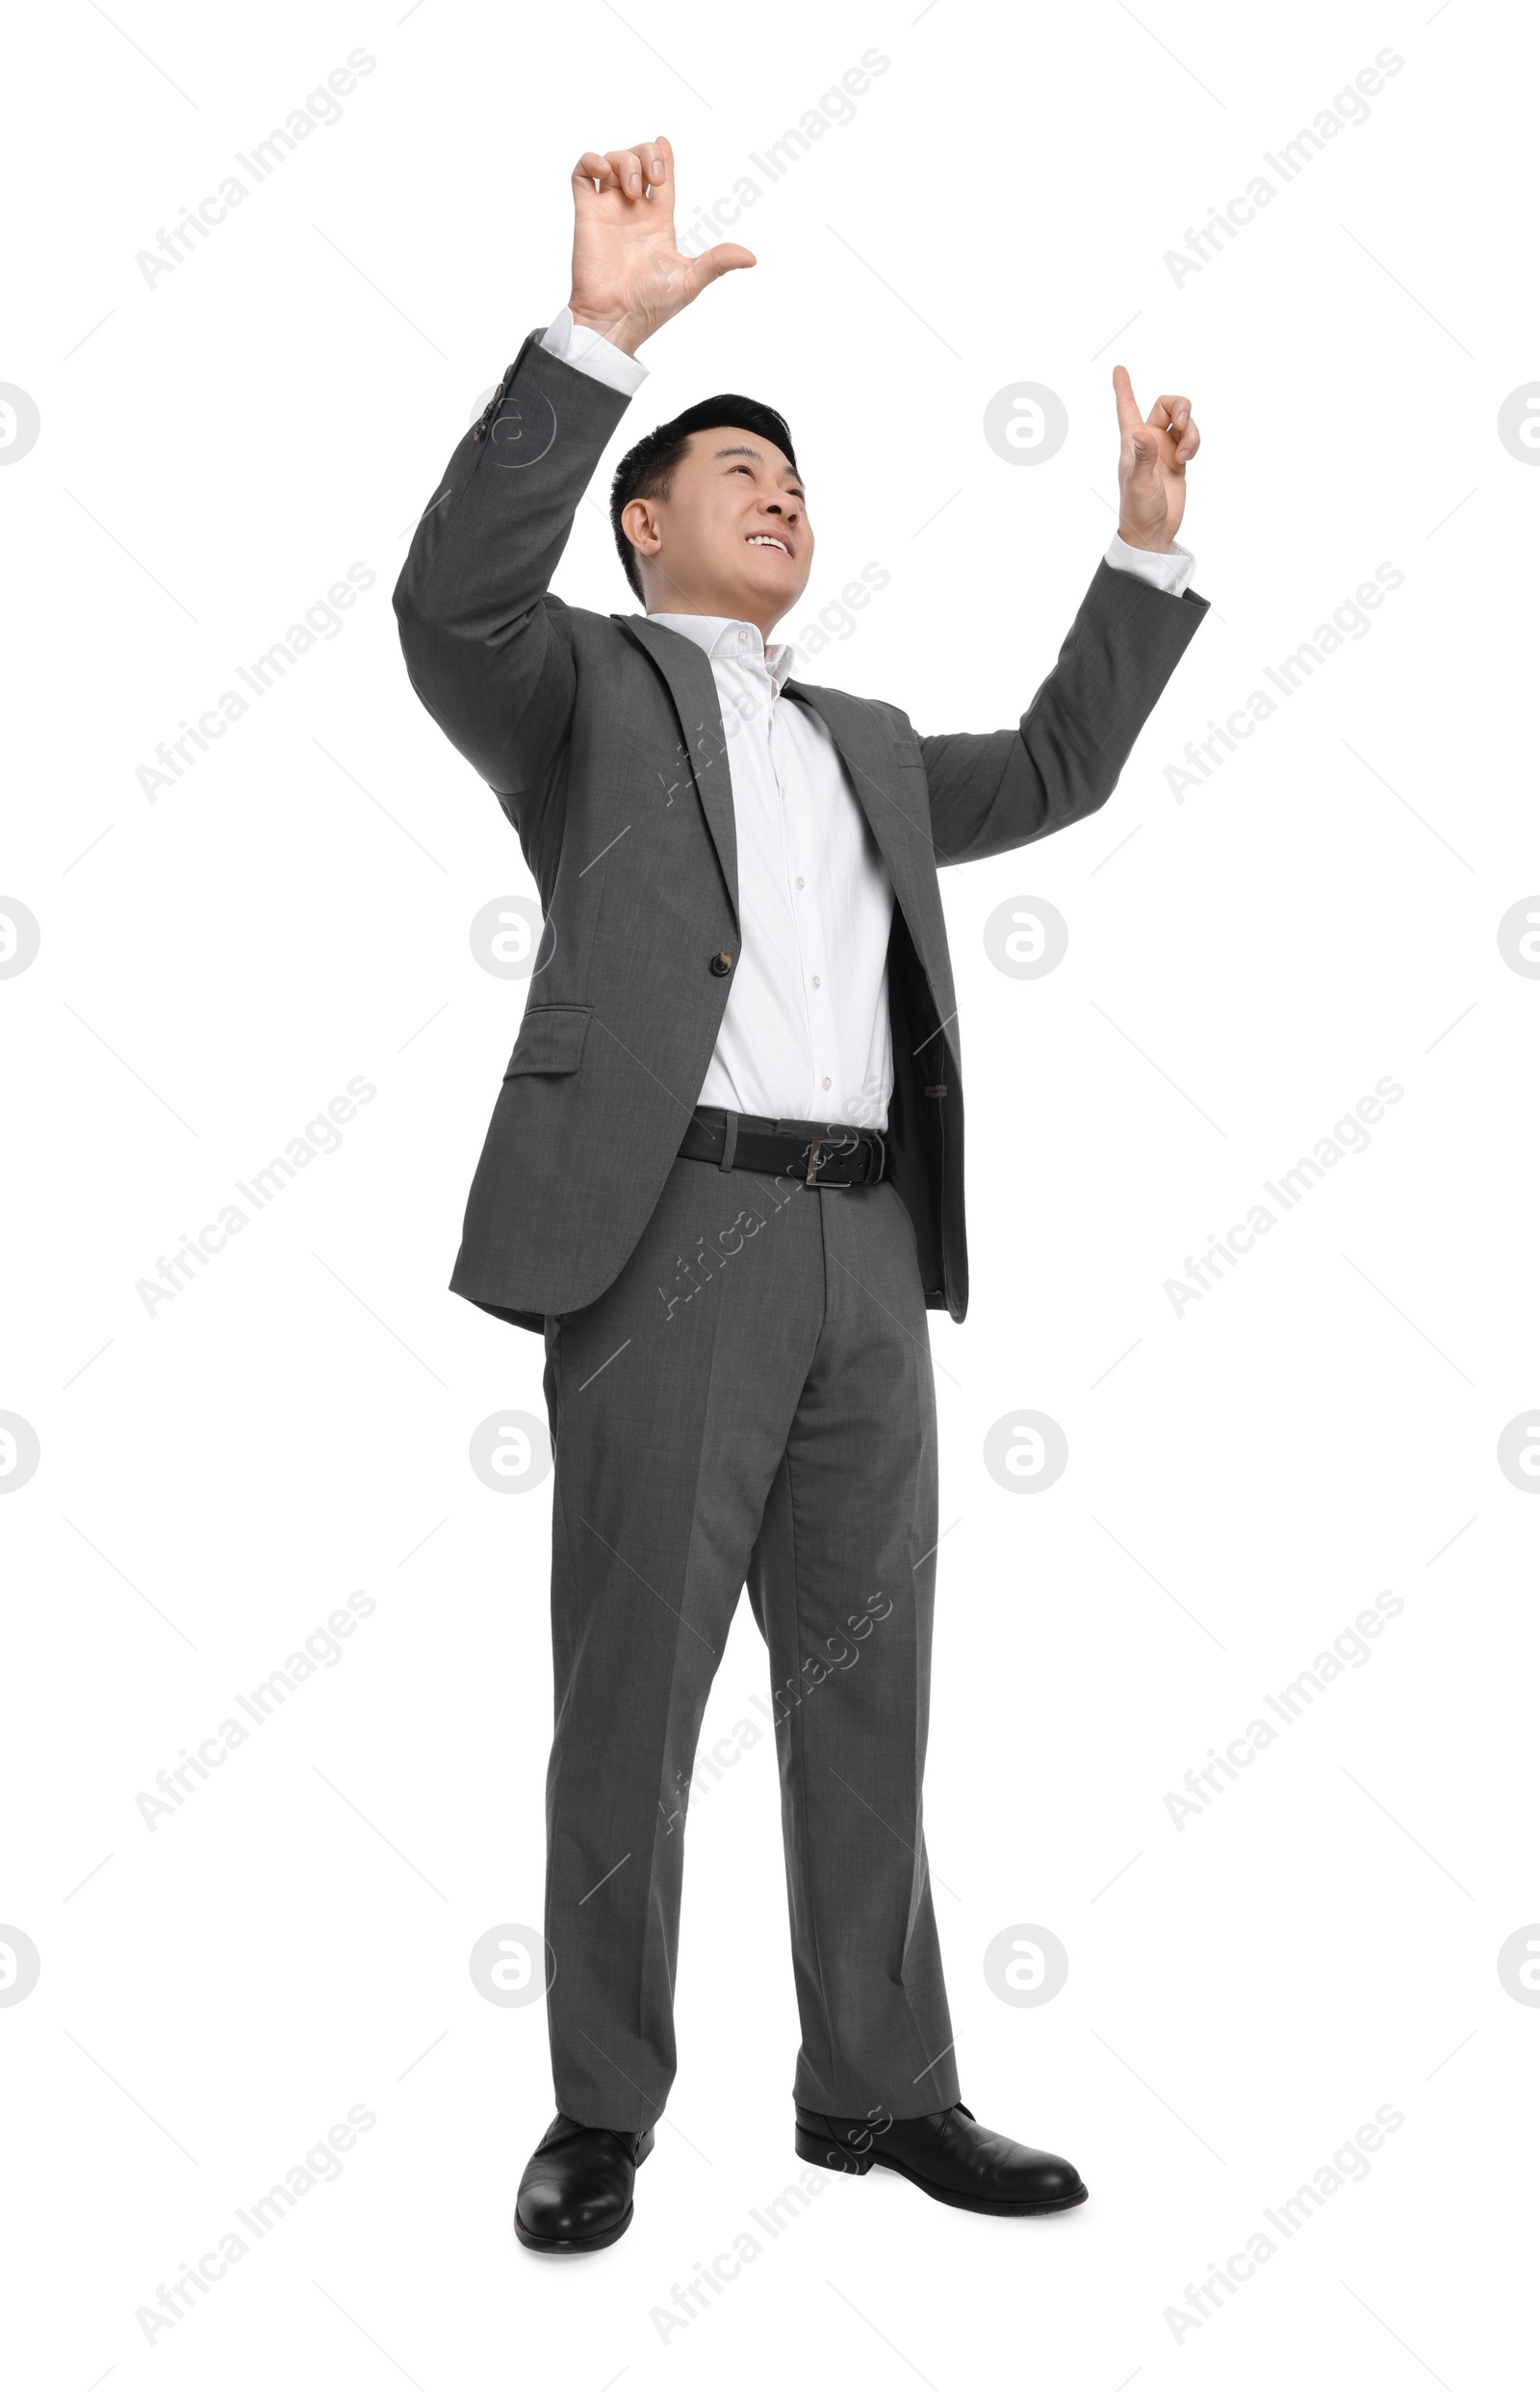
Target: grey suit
(767,1415)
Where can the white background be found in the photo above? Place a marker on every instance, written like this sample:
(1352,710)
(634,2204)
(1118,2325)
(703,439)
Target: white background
(1243,1992)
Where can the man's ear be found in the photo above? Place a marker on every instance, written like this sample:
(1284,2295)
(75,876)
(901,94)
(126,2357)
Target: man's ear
(640,528)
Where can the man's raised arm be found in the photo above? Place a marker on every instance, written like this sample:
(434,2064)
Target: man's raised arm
(483,639)
(471,599)
(990,791)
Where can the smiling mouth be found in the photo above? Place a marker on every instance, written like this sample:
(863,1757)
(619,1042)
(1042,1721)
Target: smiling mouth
(768,539)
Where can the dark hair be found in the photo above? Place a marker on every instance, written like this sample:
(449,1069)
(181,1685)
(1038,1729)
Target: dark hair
(647,471)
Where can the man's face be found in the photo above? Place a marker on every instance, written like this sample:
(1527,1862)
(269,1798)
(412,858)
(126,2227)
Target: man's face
(732,538)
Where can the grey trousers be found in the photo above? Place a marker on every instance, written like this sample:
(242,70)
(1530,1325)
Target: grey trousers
(751,1401)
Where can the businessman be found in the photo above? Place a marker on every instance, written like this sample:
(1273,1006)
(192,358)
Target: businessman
(723,1178)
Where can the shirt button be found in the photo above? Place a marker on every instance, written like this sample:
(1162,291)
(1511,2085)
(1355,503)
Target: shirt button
(743,639)
(801,882)
(828,1083)
(816,982)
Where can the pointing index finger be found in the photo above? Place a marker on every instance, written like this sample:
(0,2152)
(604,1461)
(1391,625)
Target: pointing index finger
(1129,418)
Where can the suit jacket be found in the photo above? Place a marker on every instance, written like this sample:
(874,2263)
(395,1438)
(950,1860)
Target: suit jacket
(602,738)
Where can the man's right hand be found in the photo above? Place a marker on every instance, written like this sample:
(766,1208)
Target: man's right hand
(628,277)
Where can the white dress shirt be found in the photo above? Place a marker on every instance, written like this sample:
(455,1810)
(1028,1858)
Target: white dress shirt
(806,1034)
(804,1037)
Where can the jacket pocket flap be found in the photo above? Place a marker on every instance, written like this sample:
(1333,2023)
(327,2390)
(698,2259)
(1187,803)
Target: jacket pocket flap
(551,1039)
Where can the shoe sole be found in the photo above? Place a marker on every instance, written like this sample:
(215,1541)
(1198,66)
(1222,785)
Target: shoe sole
(573,2246)
(856,2164)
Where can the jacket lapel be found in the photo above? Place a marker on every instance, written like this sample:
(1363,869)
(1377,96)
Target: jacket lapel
(688,671)
(892,798)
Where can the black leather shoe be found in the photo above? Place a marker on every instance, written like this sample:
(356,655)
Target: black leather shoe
(948,2155)
(576,2194)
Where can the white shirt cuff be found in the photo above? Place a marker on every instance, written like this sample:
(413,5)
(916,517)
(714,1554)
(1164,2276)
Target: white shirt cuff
(581,345)
(1171,571)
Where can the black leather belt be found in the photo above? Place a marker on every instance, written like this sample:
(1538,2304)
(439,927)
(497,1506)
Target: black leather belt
(821,1154)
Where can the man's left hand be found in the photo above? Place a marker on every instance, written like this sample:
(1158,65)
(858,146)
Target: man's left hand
(1152,462)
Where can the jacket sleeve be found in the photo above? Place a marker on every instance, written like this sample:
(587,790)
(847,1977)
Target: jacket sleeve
(994,790)
(484,643)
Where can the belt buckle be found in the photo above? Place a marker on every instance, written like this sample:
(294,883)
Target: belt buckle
(816,1156)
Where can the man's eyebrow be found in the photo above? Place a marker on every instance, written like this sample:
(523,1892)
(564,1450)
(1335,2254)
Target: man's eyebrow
(743,451)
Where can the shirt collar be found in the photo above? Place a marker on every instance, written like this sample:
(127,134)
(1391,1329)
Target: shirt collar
(731,641)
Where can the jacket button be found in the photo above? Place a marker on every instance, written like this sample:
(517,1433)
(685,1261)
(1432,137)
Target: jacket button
(721,963)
